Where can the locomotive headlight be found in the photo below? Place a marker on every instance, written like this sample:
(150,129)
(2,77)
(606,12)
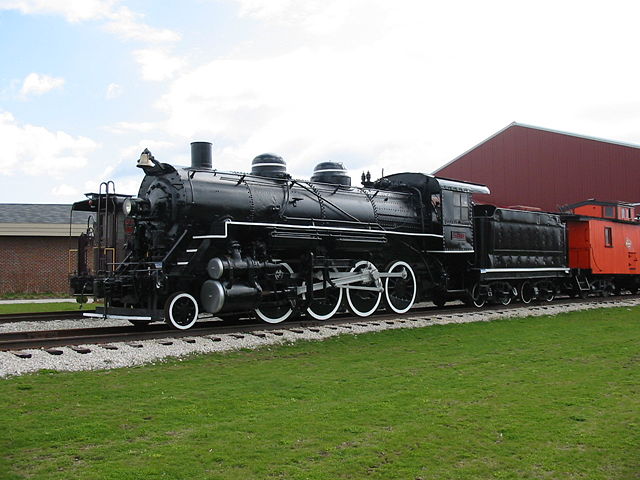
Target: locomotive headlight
(132,207)
(127,206)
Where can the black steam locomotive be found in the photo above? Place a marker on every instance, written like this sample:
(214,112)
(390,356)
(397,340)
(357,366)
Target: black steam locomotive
(202,240)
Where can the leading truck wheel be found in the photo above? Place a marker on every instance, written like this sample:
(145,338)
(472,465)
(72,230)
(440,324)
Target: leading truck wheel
(181,311)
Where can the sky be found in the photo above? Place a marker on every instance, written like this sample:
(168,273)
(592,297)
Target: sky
(402,85)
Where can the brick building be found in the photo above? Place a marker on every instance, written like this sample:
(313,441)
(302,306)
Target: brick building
(539,167)
(34,243)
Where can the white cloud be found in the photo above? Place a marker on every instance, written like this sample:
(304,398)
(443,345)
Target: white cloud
(65,190)
(132,152)
(126,24)
(124,127)
(311,16)
(116,19)
(113,91)
(37,84)
(402,85)
(71,10)
(157,65)
(35,150)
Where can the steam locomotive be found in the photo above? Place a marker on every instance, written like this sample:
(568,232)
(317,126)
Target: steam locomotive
(198,239)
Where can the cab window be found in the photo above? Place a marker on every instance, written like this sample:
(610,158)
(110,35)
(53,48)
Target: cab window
(436,211)
(456,207)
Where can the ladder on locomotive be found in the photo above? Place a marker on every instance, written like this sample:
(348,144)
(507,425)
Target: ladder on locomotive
(106,229)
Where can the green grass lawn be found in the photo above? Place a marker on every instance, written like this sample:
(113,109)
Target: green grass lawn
(544,398)
(42,307)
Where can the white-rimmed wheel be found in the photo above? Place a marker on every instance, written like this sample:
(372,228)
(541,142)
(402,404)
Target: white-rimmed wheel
(181,311)
(477,298)
(527,292)
(276,313)
(325,304)
(502,293)
(400,291)
(364,297)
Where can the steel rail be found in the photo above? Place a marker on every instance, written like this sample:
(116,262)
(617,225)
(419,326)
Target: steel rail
(104,335)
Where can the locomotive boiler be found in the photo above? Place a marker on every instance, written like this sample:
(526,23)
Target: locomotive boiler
(204,240)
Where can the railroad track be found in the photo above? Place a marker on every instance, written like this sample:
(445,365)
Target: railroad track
(15,341)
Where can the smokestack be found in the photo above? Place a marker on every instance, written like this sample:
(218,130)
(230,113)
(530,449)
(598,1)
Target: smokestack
(201,155)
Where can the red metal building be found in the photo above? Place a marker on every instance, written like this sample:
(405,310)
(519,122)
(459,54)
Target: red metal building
(533,166)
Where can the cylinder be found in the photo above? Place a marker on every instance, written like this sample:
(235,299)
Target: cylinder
(201,156)
(216,297)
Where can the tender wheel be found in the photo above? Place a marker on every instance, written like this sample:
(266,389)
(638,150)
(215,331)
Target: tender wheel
(527,292)
(181,311)
(275,313)
(504,300)
(325,308)
(364,302)
(400,292)
(502,292)
(477,299)
(547,292)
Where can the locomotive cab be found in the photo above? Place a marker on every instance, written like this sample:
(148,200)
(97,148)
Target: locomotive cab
(446,206)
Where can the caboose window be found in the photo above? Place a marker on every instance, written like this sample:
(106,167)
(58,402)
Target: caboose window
(608,237)
(625,213)
(609,212)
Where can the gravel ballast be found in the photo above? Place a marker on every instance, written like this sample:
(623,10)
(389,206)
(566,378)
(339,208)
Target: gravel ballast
(140,352)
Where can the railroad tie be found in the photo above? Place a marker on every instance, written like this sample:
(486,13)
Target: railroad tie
(81,350)
(21,354)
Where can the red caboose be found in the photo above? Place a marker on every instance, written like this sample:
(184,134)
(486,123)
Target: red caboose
(604,241)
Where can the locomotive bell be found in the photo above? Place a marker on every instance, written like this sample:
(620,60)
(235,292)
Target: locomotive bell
(331,172)
(146,159)
(269,165)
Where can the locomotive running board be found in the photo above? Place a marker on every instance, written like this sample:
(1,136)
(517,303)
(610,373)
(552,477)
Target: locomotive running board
(117,317)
